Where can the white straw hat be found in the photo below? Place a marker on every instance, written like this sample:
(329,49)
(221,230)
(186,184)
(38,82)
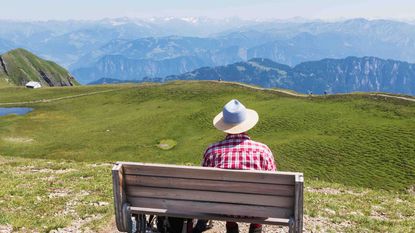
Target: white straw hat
(235,118)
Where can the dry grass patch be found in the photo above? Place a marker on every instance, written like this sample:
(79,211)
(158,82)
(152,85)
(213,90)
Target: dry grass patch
(19,140)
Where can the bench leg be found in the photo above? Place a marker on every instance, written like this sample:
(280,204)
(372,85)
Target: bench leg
(132,227)
(138,224)
(127,219)
(291,227)
(141,223)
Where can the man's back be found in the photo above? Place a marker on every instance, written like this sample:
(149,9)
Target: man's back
(238,151)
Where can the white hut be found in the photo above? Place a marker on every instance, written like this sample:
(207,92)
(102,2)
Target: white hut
(33,84)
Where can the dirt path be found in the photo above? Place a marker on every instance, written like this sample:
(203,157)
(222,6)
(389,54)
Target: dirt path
(267,89)
(303,95)
(59,98)
(395,97)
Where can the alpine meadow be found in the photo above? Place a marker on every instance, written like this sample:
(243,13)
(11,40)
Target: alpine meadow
(350,142)
(237,116)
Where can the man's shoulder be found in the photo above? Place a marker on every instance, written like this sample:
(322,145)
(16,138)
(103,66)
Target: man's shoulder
(215,145)
(258,144)
(245,144)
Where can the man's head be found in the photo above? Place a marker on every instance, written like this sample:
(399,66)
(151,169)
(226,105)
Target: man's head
(235,118)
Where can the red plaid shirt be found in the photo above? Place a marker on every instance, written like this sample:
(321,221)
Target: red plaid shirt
(238,151)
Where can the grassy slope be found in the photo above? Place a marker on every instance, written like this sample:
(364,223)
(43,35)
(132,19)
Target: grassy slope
(41,195)
(3,82)
(77,196)
(23,65)
(354,140)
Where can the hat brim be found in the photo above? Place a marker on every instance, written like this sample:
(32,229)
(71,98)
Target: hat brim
(250,121)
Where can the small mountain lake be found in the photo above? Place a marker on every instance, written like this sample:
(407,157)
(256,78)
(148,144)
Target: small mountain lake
(18,111)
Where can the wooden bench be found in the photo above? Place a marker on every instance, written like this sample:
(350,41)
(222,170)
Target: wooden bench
(274,198)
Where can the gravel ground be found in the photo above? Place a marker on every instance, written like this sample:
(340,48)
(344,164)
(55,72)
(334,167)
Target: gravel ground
(6,228)
(219,227)
(311,225)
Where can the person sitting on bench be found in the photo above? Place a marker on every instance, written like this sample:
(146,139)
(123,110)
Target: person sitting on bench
(237,150)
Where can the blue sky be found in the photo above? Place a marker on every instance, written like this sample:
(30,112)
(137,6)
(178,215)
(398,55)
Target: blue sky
(247,9)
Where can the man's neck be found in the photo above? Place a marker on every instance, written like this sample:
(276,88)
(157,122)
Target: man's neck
(243,135)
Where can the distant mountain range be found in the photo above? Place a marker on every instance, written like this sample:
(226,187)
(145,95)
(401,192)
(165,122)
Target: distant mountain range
(131,49)
(154,57)
(288,43)
(6,45)
(66,41)
(137,50)
(352,74)
(19,66)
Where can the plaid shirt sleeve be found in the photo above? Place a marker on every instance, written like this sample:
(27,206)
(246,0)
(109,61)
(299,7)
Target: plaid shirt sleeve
(269,162)
(205,158)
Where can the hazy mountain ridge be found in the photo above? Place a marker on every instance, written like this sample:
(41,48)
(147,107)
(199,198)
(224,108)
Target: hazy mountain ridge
(308,47)
(6,45)
(289,43)
(85,47)
(66,41)
(119,67)
(352,74)
(154,57)
(154,48)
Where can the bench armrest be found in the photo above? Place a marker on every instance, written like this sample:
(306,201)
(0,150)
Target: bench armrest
(120,204)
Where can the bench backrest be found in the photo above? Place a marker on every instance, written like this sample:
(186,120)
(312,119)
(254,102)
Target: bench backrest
(185,190)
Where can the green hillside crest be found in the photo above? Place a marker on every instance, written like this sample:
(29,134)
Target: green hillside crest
(19,66)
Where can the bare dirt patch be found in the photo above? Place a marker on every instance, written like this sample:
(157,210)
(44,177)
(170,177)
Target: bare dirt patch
(330,191)
(378,213)
(219,227)
(69,210)
(110,228)
(58,193)
(311,224)
(32,169)
(167,144)
(19,140)
(100,165)
(77,225)
(333,191)
(322,224)
(49,178)
(411,190)
(6,229)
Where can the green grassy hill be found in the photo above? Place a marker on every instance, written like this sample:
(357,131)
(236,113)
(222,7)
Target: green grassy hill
(19,66)
(357,151)
(358,140)
(77,197)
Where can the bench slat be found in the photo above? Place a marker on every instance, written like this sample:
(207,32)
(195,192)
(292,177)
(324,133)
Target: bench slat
(180,206)
(209,173)
(210,196)
(210,185)
(164,212)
